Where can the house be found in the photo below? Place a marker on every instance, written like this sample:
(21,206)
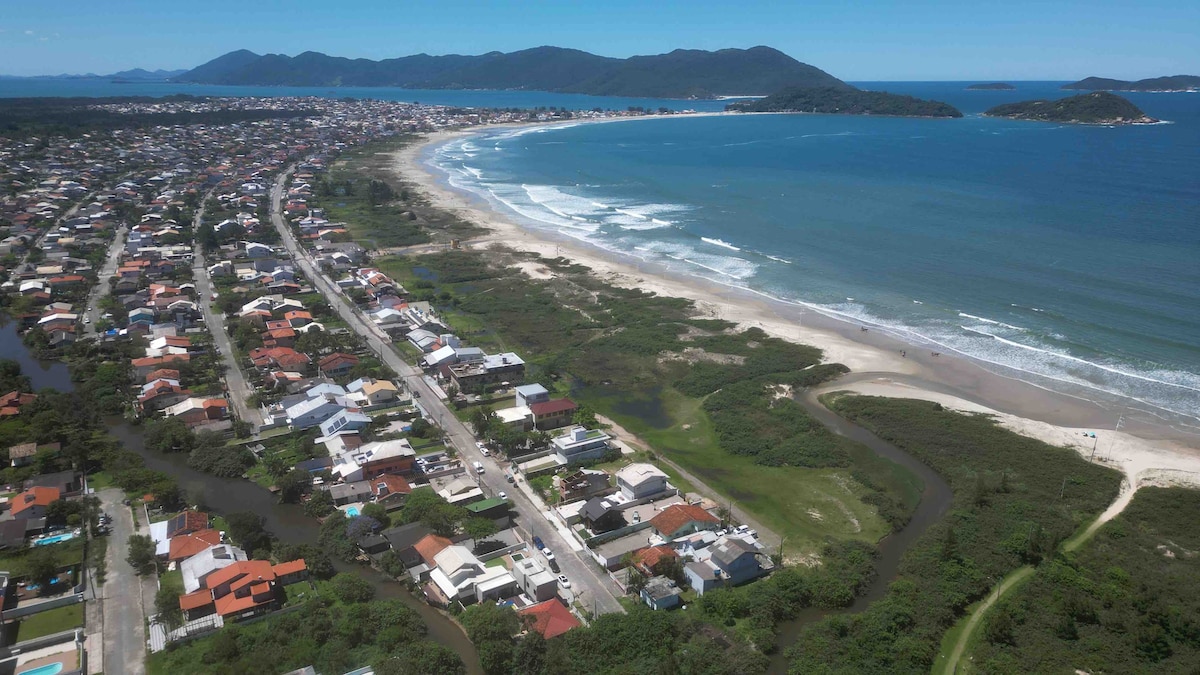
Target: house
(243,589)
(550,618)
(390,490)
(403,540)
(461,491)
(283,358)
(528,394)
(599,516)
(459,575)
(196,569)
(579,445)
(651,560)
(32,503)
(660,593)
(161,393)
(499,368)
(737,560)
(68,483)
(185,546)
(198,411)
(582,484)
(678,520)
(373,459)
(12,534)
(22,455)
(312,411)
(337,364)
(701,576)
(535,581)
(553,414)
(344,421)
(375,392)
(12,402)
(641,481)
(350,493)
(429,546)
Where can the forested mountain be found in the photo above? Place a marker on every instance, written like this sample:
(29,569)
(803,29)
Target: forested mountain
(847,101)
(1169,83)
(1099,107)
(679,74)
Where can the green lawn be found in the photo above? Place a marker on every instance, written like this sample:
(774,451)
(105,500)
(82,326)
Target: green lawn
(803,505)
(67,554)
(51,622)
(97,481)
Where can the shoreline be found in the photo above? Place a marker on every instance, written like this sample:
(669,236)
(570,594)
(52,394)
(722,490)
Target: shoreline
(1146,444)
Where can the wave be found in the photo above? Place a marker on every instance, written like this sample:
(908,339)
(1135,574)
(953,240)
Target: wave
(719,242)
(990,321)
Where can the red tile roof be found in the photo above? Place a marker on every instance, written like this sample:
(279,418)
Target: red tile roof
(336,359)
(429,546)
(195,599)
(650,557)
(290,567)
(677,516)
(552,407)
(35,496)
(549,618)
(392,483)
(162,374)
(188,545)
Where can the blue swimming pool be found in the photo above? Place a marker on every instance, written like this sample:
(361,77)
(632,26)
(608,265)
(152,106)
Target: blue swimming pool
(55,539)
(48,669)
(352,511)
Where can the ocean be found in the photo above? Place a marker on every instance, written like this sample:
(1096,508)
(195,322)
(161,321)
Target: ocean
(1067,256)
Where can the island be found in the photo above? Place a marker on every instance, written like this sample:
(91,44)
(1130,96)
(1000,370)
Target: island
(1098,107)
(990,86)
(846,101)
(1171,83)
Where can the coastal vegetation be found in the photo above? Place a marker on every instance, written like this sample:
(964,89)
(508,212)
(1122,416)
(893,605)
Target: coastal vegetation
(712,398)
(683,73)
(843,101)
(1168,83)
(332,631)
(361,191)
(1098,107)
(1128,601)
(1015,499)
(997,86)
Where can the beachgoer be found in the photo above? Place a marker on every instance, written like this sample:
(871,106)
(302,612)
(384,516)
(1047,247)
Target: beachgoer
(903,354)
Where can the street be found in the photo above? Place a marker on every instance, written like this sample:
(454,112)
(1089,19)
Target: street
(93,311)
(595,585)
(121,594)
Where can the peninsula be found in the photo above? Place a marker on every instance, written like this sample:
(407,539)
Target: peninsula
(997,86)
(1098,107)
(683,73)
(1171,83)
(846,101)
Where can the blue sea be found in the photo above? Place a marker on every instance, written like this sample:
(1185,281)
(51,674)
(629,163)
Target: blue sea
(1068,256)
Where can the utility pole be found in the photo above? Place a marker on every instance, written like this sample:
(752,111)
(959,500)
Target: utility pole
(1062,489)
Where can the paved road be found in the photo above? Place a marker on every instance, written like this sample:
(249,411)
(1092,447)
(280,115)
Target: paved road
(121,596)
(107,271)
(596,587)
(237,388)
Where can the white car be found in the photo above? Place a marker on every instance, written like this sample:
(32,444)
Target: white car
(502,494)
(548,553)
(562,579)
(486,452)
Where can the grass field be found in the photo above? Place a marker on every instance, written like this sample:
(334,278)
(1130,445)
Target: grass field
(51,622)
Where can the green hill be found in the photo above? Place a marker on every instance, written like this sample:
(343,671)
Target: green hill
(847,101)
(1169,83)
(1098,107)
(679,74)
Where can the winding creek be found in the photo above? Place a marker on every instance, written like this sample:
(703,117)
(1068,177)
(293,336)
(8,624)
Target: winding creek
(289,524)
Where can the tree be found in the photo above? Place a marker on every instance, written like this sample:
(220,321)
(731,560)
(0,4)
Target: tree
(479,528)
(248,530)
(483,419)
(362,526)
(420,658)
(141,553)
(166,603)
(206,234)
(585,417)
(317,561)
(293,485)
(351,588)
(375,511)
(635,583)
(491,628)
(319,505)
(169,434)
(428,507)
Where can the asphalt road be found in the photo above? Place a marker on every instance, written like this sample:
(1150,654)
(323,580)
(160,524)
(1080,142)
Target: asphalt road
(596,587)
(107,271)
(124,624)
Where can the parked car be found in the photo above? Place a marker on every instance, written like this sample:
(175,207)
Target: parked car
(486,452)
(549,554)
(478,467)
(537,542)
(562,579)
(502,494)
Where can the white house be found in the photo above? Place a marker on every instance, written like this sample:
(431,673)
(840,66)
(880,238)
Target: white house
(639,481)
(580,444)
(460,576)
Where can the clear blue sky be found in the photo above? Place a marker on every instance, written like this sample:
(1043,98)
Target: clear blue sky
(866,40)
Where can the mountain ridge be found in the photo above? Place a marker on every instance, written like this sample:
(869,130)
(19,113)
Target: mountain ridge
(1097,107)
(1165,84)
(678,74)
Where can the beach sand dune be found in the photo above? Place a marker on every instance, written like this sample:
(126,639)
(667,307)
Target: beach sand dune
(1146,448)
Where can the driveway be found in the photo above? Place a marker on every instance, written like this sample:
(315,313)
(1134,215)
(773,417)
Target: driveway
(596,586)
(121,594)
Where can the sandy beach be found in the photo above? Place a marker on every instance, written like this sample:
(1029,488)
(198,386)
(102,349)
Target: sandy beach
(1147,448)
